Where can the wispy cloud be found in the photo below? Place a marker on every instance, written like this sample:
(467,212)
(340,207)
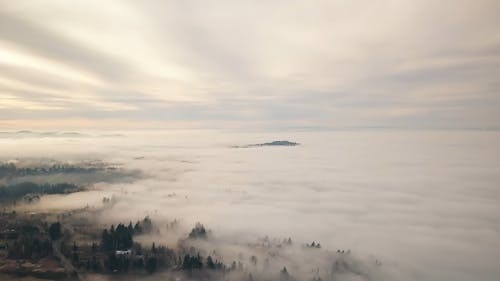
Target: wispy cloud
(409,64)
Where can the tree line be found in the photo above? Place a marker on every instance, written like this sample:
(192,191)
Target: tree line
(18,190)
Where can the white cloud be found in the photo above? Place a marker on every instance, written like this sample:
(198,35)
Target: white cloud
(237,60)
(425,203)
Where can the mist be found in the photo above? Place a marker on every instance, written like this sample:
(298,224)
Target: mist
(407,205)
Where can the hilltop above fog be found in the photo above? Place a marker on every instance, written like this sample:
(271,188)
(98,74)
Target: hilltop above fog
(273,143)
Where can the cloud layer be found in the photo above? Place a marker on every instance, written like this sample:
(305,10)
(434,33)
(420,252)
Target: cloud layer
(424,203)
(228,64)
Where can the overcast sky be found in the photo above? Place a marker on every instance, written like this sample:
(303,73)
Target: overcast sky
(249,64)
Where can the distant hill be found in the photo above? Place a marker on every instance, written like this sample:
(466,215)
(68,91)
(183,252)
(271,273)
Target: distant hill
(33,134)
(273,143)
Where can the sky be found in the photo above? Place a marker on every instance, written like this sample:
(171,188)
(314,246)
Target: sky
(249,64)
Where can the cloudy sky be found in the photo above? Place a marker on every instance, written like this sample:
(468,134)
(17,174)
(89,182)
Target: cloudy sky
(251,64)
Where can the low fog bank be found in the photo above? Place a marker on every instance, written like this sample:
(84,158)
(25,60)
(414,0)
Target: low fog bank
(28,180)
(263,258)
(424,204)
(80,172)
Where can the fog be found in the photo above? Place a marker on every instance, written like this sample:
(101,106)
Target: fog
(425,204)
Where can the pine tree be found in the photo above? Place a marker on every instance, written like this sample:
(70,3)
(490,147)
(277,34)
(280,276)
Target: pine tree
(210,263)
(55,231)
